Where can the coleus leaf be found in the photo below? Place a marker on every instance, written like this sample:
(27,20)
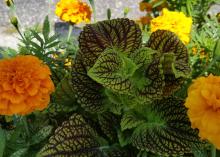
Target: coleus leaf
(87,91)
(166,42)
(64,93)
(130,120)
(154,73)
(56,109)
(74,138)
(123,34)
(171,134)
(109,124)
(117,151)
(143,56)
(113,70)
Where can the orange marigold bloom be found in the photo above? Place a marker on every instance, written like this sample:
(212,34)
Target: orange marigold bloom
(25,85)
(73,11)
(203,103)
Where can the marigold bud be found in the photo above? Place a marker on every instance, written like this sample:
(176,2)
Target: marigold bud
(14,21)
(9,3)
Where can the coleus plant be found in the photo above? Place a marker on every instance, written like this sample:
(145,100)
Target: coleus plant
(126,93)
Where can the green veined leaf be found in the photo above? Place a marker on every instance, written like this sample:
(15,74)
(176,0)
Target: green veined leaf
(64,93)
(154,74)
(143,56)
(109,123)
(171,134)
(75,138)
(88,92)
(148,79)
(130,120)
(167,42)
(113,70)
(122,34)
(41,135)
(118,151)
(20,152)
(56,109)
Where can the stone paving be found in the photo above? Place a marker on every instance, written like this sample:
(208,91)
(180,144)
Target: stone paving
(32,12)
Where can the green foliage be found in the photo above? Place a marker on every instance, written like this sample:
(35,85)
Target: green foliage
(130,120)
(204,42)
(27,137)
(7,52)
(41,45)
(64,93)
(19,153)
(88,92)
(73,138)
(126,98)
(167,130)
(109,124)
(113,71)
(2,142)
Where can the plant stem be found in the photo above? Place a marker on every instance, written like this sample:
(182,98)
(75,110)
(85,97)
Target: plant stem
(70,32)
(19,32)
(213,151)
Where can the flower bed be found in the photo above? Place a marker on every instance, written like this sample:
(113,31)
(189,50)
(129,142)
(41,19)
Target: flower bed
(123,88)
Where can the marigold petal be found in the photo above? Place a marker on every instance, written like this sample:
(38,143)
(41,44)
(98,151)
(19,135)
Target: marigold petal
(7,86)
(4,104)
(17,108)
(175,22)
(33,88)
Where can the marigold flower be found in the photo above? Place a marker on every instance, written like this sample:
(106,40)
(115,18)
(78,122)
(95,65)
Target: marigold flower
(175,22)
(203,103)
(25,85)
(73,11)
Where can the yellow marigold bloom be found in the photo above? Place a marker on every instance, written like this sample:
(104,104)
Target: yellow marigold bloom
(25,85)
(175,22)
(203,103)
(73,11)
